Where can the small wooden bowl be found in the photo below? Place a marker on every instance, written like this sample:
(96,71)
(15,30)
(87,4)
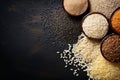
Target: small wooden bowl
(102,46)
(73,14)
(110,21)
(86,17)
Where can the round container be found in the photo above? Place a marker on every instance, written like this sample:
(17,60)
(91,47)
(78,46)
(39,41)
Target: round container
(115,21)
(110,48)
(95,25)
(75,7)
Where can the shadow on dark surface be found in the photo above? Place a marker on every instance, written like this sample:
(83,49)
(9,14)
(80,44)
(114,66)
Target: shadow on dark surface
(31,33)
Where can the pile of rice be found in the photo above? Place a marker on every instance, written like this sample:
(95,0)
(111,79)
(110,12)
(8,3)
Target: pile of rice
(87,56)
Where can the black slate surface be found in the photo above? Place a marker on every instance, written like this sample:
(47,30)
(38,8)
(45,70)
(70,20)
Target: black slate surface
(31,32)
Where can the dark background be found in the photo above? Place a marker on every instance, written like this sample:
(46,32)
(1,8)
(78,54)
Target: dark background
(31,32)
